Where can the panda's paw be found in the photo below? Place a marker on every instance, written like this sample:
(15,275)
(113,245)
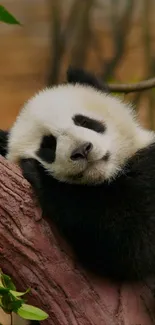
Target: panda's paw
(31,173)
(3,142)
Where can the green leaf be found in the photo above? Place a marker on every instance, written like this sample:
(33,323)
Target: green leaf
(7,282)
(14,305)
(31,313)
(9,303)
(6,17)
(5,302)
(19,294)
(3,290)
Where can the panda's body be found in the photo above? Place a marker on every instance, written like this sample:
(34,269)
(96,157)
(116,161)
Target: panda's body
(93,169)
(112,225)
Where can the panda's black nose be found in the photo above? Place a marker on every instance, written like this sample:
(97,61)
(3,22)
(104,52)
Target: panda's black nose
(82,151)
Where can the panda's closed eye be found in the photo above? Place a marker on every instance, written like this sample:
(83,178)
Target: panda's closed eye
(47,148)
(89,123)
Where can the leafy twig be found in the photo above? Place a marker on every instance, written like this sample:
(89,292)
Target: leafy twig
(11,301)
(11,318)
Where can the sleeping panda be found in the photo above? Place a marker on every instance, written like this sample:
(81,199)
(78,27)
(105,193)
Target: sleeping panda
(92,167)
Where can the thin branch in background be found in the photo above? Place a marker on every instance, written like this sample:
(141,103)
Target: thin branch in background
(120,31)
(129,88)
(59,37)
(83,34)
(11,319)
(56,44)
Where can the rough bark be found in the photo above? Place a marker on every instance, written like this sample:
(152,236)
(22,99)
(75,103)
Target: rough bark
(34,255)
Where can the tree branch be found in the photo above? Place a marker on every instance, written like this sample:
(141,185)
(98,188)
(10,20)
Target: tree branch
(120,29)
(34,255)
(129,88)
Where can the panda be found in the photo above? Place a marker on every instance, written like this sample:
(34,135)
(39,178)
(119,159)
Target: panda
(92,167)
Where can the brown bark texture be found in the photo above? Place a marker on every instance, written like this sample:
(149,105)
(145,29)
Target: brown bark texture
(34,255)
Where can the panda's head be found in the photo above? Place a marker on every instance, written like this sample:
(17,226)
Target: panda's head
(77,131)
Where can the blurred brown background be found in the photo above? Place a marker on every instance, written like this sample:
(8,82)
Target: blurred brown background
(113,38)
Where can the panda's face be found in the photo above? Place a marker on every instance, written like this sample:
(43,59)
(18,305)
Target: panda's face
(77,148)
(79,135)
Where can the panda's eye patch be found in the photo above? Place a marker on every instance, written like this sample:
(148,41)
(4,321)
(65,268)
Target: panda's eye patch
(89,123)
(47,148)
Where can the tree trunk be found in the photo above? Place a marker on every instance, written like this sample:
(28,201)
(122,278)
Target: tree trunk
(34,255)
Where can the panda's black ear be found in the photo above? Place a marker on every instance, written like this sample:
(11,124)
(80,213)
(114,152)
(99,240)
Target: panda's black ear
(80,76)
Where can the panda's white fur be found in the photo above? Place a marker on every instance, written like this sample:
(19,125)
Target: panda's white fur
(51,112)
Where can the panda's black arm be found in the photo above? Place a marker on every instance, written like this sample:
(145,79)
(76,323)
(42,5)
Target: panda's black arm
(3,142)
(30,170)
